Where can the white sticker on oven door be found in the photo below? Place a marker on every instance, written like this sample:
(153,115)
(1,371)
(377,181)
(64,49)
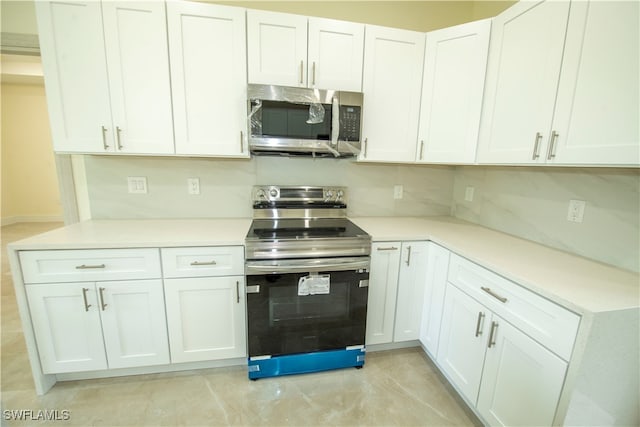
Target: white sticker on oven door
(314,285)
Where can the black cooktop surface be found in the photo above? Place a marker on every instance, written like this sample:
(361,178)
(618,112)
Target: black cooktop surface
(277,229)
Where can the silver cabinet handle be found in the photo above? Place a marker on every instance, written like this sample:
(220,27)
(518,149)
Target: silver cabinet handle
(104,138)
(408,261)
(493,294)
(102,304)
(552,145)
(366,140)
(421,149)
(241,142)
(480,317)
(536,146)
(212,262)
(237,292)
(314,73)
(494,326)
(87,267)
(301,72)
(84,297)
(118,130)
(390,248)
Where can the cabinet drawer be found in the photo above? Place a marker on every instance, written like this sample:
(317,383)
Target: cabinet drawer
(86,265)
(203,261)
(548,323)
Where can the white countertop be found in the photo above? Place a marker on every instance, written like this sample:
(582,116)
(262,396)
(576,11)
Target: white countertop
(577,283)
(574,282)
(140,233)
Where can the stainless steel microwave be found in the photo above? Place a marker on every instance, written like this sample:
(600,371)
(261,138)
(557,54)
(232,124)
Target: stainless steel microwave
(299,121)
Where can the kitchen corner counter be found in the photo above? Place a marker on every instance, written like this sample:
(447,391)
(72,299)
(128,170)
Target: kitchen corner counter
(577,283)
(140,233)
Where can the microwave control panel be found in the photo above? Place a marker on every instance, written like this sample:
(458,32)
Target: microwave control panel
(349,123)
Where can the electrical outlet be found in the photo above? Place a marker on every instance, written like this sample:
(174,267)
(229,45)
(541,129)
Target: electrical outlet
(137,184)
(397,191)
(468,194)
(193,185)
(576,210)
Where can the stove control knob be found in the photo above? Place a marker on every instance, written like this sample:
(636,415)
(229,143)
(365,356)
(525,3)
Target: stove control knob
(339,195)
(273,192)
(261,194)
(328,195)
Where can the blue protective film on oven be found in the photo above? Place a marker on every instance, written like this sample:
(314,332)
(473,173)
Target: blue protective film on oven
(305,363)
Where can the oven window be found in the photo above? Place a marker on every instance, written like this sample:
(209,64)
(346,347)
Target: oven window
(288,120)
(282,322)
(286,307)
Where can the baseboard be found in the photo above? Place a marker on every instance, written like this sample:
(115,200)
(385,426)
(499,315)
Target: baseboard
(30,218)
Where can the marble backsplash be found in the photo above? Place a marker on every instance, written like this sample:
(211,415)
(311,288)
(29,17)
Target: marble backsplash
(225,186)
(529,202)
(532,203)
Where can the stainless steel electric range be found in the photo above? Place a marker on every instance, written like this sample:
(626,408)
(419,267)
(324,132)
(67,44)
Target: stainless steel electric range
(307,270)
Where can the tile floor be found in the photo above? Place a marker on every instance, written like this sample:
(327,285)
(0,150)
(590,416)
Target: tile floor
(395,388)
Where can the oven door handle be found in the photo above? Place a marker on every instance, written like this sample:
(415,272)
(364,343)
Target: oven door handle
(306,265)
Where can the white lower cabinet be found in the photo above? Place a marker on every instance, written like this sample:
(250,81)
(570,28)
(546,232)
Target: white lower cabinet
(433,301)
(206,318)
(396,288)
(206,302)
(521,380)
(510,378)
(89,326)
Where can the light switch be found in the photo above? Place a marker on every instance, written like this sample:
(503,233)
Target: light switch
(137,184)
(576,210)
(193,185)
(397,191)
(468,194)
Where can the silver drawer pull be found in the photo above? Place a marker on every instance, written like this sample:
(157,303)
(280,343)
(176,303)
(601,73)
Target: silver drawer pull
(84,298)
(480,317)
(88,267)
(390,248)
(494,326)
(203,263)
(102,303)
(493,294)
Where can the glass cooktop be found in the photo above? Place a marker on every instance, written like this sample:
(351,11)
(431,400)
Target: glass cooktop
(278,229)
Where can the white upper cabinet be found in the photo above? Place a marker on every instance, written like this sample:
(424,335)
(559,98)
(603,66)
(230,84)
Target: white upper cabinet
(392,79)
(282,52)
(572,101)
(106,70)
(522,77)
(597,114)
(455,63)
(207,46)
(336,51)
(138,64)
(277,48)
(75,71)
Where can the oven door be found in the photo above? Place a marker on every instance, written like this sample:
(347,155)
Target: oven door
(298,311)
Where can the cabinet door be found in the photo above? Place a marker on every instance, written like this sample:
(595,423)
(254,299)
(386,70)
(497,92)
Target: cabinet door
(138,63)
(75,72)
(134,323)
(433,302)
(206,318)
(207,48)
(67,327)
(463,340)
(455,63)
(597,110)
(383,288)
(522,380)
(411,286)
(336,51)
(277,48)
(392,79)
(522,78)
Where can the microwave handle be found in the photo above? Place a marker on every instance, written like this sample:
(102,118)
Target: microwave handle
(335,121)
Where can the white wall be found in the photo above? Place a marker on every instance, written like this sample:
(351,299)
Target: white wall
(226,186)
(532,202)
